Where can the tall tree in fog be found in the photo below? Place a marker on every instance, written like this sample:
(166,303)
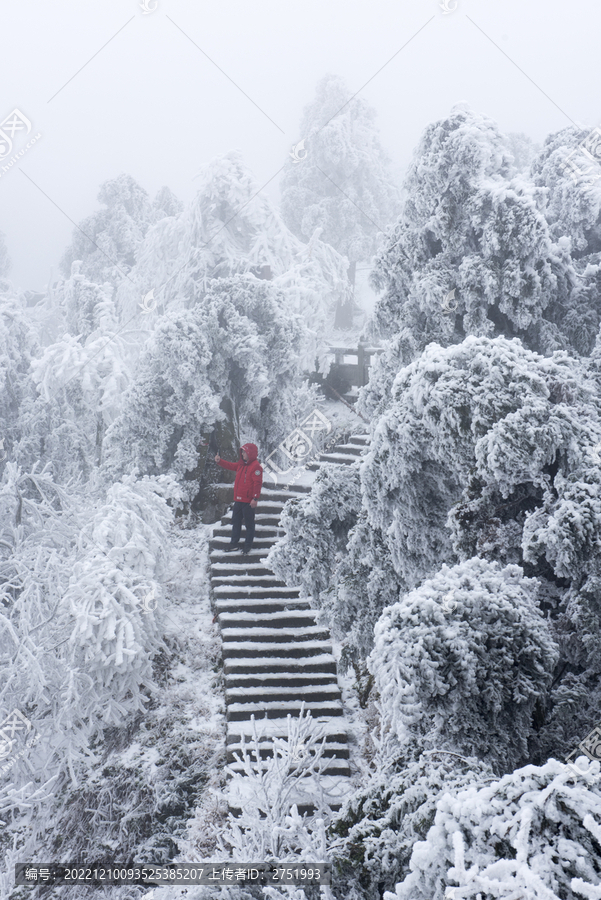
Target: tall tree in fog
(472,224)
(572,182)
(106,242)
(342,181)
(231,228)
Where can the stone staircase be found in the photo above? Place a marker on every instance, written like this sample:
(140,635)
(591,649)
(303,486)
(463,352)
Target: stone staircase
(275,656)
(343,454)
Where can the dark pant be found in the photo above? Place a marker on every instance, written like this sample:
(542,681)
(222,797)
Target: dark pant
(243,510)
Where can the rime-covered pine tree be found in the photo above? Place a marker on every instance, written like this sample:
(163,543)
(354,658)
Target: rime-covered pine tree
(471,252)
(342,182)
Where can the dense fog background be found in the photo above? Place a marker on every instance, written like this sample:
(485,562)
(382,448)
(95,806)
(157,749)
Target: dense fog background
(152,104)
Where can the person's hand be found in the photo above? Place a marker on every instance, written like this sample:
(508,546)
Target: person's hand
(253,504)
(217,457)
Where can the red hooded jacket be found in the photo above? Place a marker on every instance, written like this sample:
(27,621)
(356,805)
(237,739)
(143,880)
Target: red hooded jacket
(249,476)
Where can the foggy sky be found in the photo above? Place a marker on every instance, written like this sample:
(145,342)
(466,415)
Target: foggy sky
(152,104)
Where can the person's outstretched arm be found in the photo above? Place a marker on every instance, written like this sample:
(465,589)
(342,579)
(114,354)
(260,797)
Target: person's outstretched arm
(225,464)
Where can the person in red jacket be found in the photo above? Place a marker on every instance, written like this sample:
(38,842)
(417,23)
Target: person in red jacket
(247,489)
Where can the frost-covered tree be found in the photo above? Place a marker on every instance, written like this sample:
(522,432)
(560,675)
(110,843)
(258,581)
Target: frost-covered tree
(75,642)
(487,408)
(317,529)
(337,559)
(471,225)
(573,211)
(343,182)
(523,149)
(80,381)
(364,583)
(233,358)
(231,228)
(461,663)
(372,837)
(490,450)
(535,833)
(18,346)
(107,241)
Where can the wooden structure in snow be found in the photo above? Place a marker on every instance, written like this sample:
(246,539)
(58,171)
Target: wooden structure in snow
(357,373)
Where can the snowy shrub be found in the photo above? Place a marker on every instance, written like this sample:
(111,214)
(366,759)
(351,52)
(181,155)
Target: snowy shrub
(372,837)
(269,827)
(317,529)
(532,834)
(268,793)
(461,662)
(364,583)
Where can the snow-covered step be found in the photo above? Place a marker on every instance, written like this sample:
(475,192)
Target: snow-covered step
(338,458)
(274,709)
(238,565)
(297,679)
(266,505)
(362,439)
(283,650)
(329,729)
(259,605)
(232,591)
(333,765)
(318,662)
(265,529)
(219,544)
(243,562)
(263,634)
(247,580)
(283,620)
(270,528)
(283,492)
(259,696)
(349,449)
(265,532)
(331,747)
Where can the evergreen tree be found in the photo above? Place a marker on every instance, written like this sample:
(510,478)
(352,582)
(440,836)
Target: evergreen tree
(535,833)
(107,241)
(343,183)
(231,358)
(465,680)
(317,529)
(573,211)
(471,252)
(231,228)
(372,837)
(500,463)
